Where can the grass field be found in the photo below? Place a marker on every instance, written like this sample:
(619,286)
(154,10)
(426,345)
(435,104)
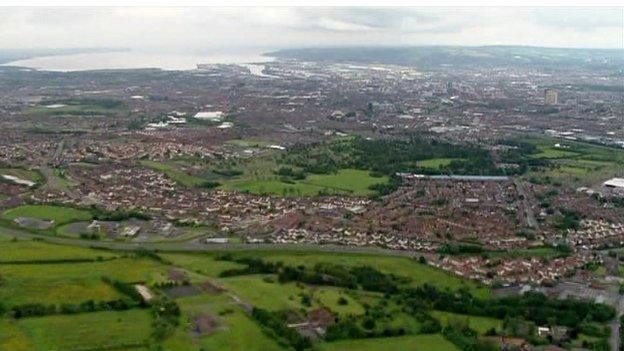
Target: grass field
(32,175)
(260,293)
(24,251)
(426,342)
(89,331)
(436,162)
(175,174)
(200,263)
(532,252)
(581,163)
(73,282)
(236,332)
(249,143)
(58,214)
(479,324)
(551,152)
(328,297)
(62,178)
(344,182)
(401,266)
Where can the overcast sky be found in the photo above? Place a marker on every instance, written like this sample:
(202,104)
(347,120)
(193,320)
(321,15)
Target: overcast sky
(206,29)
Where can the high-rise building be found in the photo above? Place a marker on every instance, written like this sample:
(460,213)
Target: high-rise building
(551,97)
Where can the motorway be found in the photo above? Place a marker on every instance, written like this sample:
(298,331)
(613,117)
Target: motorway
(196,246)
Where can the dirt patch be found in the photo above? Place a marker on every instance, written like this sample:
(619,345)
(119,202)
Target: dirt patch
(205,323)
(211,288)
(182,291)
(178,275)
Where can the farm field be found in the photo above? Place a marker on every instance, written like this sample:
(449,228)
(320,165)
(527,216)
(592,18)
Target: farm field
(432,342)
(87,331)
(72,282)
(25,251)
(58,214)
(216,313)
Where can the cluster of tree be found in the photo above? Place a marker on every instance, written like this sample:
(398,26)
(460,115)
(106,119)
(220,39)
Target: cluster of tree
(166,313)
(394,182)
(365,277)
(378,322)
(253,266)
(274,324)
(39,309)
(467,339)
(228,172)
(126,289)
(531,306)
(569,219)
(389,156)
(622,335)
(208,184)
(288,172)
(117,215)
(457,249)
(352,327)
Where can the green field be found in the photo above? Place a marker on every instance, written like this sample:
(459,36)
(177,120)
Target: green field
(427,342)
(581,163)
(235,332)
(531,252)
(249,143)
(24,251)
(344,182)
(200,263)
(401,266)
(62,178)
(175,174)
(479,324)
(57,283)
(58,214)
(551,152)
(32,175)
(328,297)
(88,331)
(272,296)
(436,162)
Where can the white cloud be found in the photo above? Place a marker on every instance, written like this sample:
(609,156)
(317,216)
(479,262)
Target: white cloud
(204,29)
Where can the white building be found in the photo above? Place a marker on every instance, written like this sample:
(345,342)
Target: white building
(614,183)
(215,116)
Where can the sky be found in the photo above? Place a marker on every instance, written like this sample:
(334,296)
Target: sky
(206,29)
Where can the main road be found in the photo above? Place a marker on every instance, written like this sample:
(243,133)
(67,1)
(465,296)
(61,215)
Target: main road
(195,246)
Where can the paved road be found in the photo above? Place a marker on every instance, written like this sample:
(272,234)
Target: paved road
(197,247)
(525,206)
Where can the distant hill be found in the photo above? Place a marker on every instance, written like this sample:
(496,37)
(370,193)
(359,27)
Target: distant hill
(483,56)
